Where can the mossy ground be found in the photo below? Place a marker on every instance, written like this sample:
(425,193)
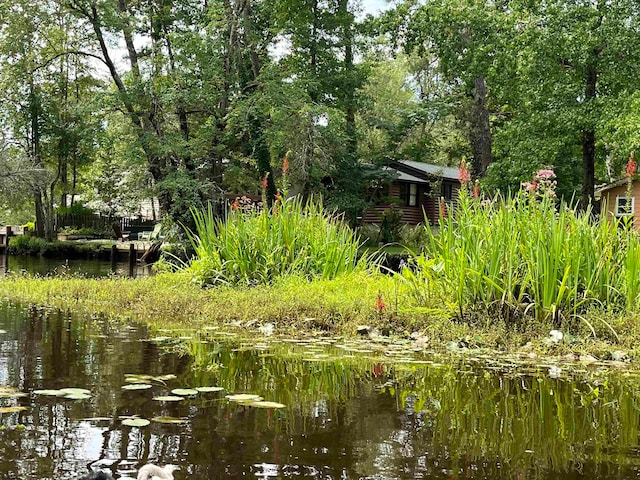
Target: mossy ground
(299,307)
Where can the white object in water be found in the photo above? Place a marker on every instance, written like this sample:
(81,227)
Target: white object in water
(154,472)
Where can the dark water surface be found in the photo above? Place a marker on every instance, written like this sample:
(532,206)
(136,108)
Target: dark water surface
(38,265)
(353,411)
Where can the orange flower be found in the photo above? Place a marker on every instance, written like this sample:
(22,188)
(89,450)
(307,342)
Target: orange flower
(379,305)
(278,197)
(463,173)
(476,189)
(631,167)
(235,205)
(265,182)
(285,165)
(443,208)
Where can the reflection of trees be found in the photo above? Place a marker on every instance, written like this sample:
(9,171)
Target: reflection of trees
(347,417)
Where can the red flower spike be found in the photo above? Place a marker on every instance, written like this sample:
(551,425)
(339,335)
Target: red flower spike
(631,167)
(443,208)
(476,189)
(380,305)
(463,173)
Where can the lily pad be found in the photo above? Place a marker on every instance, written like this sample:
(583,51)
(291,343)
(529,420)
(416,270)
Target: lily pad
(137,380)
(12,409)
(168,398)
(77,396)
(49,393)
(136,386)
(172,420)
(74,391)
(136,422)
(263,404)
(209,389)
(244,398)
(184,391)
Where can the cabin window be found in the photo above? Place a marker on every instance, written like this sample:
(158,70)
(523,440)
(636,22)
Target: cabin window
(622,206)
(447,191)
(409,194)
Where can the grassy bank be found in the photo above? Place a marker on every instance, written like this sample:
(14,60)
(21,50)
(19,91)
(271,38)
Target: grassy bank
(299,307)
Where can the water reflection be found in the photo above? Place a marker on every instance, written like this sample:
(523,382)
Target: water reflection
(349,415)
(38,265)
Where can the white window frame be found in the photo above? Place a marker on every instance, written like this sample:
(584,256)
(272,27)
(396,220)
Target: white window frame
(621,210)
(412,197)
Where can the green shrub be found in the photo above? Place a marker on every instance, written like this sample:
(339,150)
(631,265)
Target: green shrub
(257,247)
(26,245)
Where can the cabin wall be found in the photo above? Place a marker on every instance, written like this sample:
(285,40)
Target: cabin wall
(609,202)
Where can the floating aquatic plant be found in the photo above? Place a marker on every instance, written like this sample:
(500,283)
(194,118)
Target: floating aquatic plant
(137,386)
(184,391)
(170,420)
(168,398)
(66,393)
(209,389)
(136,422)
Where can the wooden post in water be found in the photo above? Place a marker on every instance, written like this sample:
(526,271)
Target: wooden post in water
(132,258)
(114,257)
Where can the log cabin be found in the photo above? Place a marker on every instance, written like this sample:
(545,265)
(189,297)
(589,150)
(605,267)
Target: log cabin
(416,190)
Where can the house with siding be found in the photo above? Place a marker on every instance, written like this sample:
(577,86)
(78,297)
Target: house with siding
(415,189)
(615,202)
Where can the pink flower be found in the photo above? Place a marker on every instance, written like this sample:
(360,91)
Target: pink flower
(265,183)
(546,174)
(476,189)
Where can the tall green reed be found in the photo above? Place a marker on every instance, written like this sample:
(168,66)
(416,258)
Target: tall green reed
(257,247)
(527,256)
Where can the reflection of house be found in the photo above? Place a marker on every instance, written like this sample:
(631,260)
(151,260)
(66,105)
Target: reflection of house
(614,201)
(416,191)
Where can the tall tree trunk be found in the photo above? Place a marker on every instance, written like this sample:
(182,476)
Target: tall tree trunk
(313,52)
(259,121)
(145,127)
(349,87)
(589,142)
(40,220)
(480,129)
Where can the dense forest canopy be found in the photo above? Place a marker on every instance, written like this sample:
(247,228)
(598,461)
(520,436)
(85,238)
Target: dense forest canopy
(112,101)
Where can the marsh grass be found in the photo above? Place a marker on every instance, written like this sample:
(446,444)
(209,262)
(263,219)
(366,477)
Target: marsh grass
(523,256)
(292,238)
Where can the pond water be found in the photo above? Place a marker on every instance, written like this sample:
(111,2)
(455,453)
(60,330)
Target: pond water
(351,410)
(38,265)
